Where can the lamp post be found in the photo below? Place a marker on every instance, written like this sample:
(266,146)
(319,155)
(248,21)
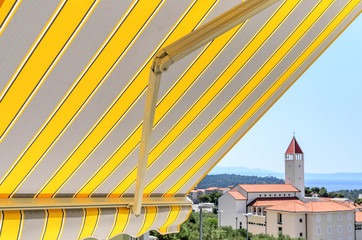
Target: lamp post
(220,212)
(247,215)
(202,206)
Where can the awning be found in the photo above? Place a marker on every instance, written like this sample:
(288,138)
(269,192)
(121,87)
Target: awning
(73,80)
(102,223)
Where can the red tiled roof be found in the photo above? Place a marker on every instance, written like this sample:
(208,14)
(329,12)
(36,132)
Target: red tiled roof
(326,207)
(212,188)
(291,206)
(268,188)
(349,203)
(310,207)
(223,188)
(359,217)
(237,195)
(259,202)
(293,147)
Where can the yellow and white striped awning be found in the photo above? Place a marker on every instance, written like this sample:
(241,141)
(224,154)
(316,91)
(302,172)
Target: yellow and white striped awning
(73,78)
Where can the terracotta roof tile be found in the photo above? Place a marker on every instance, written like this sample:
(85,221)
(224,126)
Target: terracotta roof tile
(212,188)
(268,188)
(291,206)
(272,201)
(310,207)
(237,195)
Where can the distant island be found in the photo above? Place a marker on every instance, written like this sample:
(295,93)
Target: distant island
(226,180)
(331,181)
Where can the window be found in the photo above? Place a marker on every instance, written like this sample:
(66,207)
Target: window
(358,227)
(339,228)
(318,217)
(288,194)
(300,220)
(280,220)
(280,229)
(339,216)
(329,217)
(284,194)
(319,231)
(279,195)
(349,216)
(300,234)
(274,195)
(329,229)
(350,238)
(240,225)
(350,228)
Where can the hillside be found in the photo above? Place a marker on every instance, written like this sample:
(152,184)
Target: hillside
(224,180)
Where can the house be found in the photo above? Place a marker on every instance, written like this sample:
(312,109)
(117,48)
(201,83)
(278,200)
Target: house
(284,208)
(211,189)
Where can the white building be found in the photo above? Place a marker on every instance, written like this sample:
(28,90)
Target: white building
(358,225)
(283,207)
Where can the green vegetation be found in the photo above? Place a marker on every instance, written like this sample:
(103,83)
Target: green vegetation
(225,180)
(211,198)
(351,194)
(189,230)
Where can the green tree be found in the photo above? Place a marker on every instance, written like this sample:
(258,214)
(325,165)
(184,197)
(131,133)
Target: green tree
(214,197)
(189,230)
(307,191)
(315,190)
(323,192)
(204,198)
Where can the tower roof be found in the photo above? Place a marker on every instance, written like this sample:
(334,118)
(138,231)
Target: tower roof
(293,147)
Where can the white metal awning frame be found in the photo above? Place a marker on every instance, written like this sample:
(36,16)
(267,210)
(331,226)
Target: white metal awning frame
(173,53)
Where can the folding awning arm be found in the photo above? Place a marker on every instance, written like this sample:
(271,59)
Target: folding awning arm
(173,53)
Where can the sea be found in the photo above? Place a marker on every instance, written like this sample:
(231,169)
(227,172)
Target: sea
(335,185)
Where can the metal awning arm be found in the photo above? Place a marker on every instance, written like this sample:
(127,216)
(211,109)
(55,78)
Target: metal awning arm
(149,114)
(173,53)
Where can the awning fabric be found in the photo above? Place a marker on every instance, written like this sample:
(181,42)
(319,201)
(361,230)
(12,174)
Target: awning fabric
(97,222)
(73,78)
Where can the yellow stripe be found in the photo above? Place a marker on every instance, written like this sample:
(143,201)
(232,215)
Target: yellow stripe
(214,90)
(108,56)
(7,10)
(121,222)
(11,225)
(41,58)
(35,67)
(150,217)
(265,97)
(117,110)
(240,97)
(173,215)
(90,222)
(189,77)
(54,224)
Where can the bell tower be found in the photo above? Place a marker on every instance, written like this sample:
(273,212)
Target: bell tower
(294,166)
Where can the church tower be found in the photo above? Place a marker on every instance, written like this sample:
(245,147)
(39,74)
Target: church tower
(294,166)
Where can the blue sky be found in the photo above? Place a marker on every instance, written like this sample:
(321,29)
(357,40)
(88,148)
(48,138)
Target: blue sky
(323,108)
